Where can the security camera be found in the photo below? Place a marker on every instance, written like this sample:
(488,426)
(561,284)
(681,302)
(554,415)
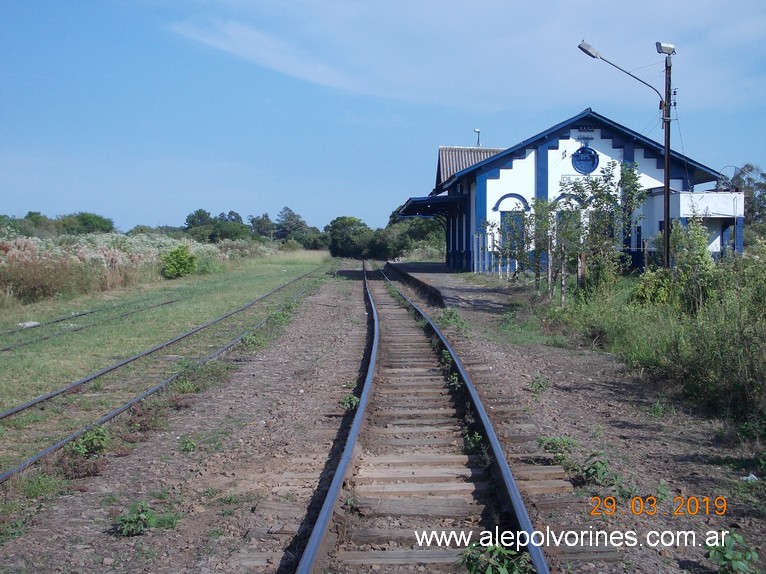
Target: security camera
(663,48)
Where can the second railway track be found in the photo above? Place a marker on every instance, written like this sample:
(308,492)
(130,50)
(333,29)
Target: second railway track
(40,426)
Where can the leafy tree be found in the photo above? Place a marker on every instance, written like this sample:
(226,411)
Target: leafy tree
(229,230)
(607,206)
(231,217)
(9,226)
(692,262)
(81,223)
(141,230)
(199,218)
(390,243)
(170,231)
(316,240)
(349,237)
(262,225)
(752,181)
(403,235)
(201,233)
(290,225)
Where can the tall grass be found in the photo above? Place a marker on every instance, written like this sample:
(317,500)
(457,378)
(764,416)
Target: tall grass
(714,351)
(33,269)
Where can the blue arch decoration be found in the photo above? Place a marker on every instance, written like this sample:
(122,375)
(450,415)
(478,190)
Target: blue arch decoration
(571,196)
(524,202)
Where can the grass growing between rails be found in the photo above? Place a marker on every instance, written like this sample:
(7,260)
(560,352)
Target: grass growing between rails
(122,323)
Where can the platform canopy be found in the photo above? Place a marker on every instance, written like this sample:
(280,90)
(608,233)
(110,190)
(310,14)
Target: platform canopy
(439,207)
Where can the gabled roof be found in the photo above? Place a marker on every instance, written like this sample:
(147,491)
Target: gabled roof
(698,173)
(455,159)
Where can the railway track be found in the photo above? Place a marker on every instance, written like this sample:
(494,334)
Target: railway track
(41,426)
(421,458)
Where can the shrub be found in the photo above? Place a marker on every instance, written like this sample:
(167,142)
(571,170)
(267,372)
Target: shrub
(178,262)
(290,245)
(656,287)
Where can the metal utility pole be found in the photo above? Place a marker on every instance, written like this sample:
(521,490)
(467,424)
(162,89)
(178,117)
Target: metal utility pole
(665,105)
(666,170)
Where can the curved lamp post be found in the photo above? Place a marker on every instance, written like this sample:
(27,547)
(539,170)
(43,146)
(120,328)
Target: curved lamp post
(668,50)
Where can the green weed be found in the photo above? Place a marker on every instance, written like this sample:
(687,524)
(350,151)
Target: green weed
(188,444)
(349,402)
(734,556)
(661,408)
(141,517)
(454,382)
(473,441)
(539,384)
(137,520)
(92,442)
(10,529)
(596,469)
(663,491)
(41,485)
(450,318)
(480,559)
(561,447)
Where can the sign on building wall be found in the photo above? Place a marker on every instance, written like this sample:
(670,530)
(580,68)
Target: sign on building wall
(585,159)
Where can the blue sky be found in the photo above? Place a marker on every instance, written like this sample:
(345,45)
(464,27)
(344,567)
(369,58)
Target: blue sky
(146,110)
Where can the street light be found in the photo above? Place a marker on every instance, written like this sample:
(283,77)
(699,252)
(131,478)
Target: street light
(668,50)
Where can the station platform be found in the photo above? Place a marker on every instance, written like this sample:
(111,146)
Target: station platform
(449,288)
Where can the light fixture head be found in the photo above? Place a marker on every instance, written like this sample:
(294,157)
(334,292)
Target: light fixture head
(663,48)
(588,49)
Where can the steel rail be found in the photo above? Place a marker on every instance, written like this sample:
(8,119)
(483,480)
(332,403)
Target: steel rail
(319,531)
(115,366)
(509,483)
(46,323)
(121,409)
(83,327)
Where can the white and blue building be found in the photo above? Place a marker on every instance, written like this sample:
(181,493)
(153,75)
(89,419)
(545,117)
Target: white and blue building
(476,186)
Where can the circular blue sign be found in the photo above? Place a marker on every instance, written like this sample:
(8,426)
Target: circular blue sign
(585,160)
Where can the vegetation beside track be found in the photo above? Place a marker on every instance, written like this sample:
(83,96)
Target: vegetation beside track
(89,455)
(39,367)
(50,364)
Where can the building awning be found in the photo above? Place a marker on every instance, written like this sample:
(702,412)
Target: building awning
(439,207)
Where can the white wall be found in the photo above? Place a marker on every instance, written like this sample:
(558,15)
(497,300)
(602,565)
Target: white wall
(712,204)
(520,179)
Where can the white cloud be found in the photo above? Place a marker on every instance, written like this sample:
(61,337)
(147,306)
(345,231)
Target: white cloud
(492,54)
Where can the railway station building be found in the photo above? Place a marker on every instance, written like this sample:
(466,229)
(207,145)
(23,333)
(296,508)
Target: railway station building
(476,186)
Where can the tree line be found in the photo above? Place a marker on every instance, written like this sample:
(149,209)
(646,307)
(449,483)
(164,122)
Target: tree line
(344,236)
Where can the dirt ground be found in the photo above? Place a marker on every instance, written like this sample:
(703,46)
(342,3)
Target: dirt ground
(233,467)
